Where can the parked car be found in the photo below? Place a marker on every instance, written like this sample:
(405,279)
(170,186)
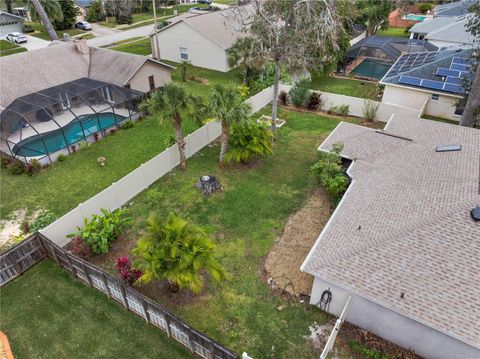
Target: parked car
(208,2)
(203,9)
(83,25)
(16,37)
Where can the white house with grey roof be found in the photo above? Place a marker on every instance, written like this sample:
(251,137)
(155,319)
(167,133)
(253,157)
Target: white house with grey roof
(403,241)
(10,23)
(202,39)
(453,8)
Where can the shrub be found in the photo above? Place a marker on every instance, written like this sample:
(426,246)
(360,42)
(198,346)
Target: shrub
(80,248)
(61,157)
(425,7)
(283,98)
(33,167)
(127,274)
(177,251)
(5,161)
(184,67)
(300,92)
(112,131)
(243,90)
(170,140)
(102,230)
(370,110)
(314,102)
(95,11)
(84,144)
(248,139)
(128,124)
(267,75)
(16,167)
(329,172)
(342,110)
(42,221)
(73,148)
(124,19)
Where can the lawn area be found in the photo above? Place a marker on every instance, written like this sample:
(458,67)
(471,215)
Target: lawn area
(41,33)
(393,31)
(66,184)
(140,47)
(47,314)
(8,48)
(348,87)
(244,220)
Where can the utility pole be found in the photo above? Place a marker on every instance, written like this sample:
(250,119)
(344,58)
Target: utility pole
(156,52)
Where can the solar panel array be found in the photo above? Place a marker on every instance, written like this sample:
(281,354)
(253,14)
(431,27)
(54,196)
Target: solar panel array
(407,61)
(431,84)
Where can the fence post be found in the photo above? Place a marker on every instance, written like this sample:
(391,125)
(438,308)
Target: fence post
(144,305)
(105,282)
(85,269)
(69,260)
(124,295)
(190,339)
(167,319)
(54,254)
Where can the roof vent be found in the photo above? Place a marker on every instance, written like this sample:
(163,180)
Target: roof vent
(448,148)
(475,213)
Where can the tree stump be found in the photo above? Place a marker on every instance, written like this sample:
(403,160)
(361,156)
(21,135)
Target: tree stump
(208,184)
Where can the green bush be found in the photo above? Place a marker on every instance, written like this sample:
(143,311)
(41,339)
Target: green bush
(128,124)
(342,110)
(425,7)
(16,167)
(184,67)
(61,157)
(124,19)
(366,351)
(102,230)
(95,12)
(370,110)
(314,102)
(33,167)
(248,139)
(329,172)
(300,92)
(170,140)
(42,221)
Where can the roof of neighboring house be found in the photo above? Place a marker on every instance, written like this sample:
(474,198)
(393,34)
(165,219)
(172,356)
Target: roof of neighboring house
(404,224)
(455,32)
(427,70)
(83,3)
(4,13)
(456,8)
(223,27)
(393,47)
(428,25)
(32,71)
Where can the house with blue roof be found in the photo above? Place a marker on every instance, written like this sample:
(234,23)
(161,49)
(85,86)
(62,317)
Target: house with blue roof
(430,81)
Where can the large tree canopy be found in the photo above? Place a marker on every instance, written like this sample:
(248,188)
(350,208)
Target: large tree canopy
(374,14)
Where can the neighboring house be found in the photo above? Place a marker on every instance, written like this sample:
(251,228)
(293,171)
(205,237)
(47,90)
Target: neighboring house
(453,9)
(202,39)
(10,23)
(54,97)
(444,31)
(403,241)
(431,81)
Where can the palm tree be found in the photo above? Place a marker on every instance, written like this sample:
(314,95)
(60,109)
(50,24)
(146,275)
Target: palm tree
(170,101)
(176,251)
(228,107)
(244,53)
(44,10)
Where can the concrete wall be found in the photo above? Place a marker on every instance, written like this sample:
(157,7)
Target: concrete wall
(202,52)
(161,75)
(443,107)
(394,327)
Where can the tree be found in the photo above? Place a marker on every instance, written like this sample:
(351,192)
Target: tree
(296,34)
(9,6)
(44,10)
(471,113)
(374,14)
(227,106)
(176,251)
(70,12)
(95,12)
(121,9)
(243,53)
(170,102)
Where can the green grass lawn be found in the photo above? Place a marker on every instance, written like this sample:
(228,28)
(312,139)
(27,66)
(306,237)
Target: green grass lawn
(47,314)
(8,48)
(348,87)
(41,33)
(393,31)
(245,219)
(140,47)
(66,184)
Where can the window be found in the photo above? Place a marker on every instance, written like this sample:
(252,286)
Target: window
(184,53)
(435,96)
(458,110)
(151,82)
(107,93)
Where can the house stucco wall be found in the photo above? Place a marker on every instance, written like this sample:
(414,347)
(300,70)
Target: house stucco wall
(392,326)
(202,52)
(443,107)
(161,75)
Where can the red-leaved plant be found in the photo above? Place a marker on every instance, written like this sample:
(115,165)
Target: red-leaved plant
(125,271)
(80,248)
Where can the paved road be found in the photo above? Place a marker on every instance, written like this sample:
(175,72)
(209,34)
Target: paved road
(119,36)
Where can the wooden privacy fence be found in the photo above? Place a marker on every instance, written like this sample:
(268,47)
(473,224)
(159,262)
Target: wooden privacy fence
(35,248)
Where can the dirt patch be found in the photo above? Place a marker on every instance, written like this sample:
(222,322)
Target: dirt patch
(299,235)
(11,231)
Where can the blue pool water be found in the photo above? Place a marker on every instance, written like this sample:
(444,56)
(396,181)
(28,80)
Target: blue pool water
(414,17)
(55,140)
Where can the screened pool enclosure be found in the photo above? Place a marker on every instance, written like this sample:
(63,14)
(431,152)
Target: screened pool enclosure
(53,121)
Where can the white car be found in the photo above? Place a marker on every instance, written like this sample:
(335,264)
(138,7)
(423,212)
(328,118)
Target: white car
(84,25)
(16,37)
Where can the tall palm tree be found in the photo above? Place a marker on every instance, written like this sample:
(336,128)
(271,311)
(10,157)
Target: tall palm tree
(170,102)
(44,10)
(227,106)
(177,251)
(244,53)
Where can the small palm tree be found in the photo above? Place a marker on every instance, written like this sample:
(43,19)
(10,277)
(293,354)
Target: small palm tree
(176,251)
(44,11)
(244,53)
(170,102)
(227,106)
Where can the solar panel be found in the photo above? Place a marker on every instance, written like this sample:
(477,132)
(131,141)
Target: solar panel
(442,71)
(453,88)
(458,60)
(431,84)
(453,80)
(420,59)
(410,80)
(459,67)
(463,74)
(431,56)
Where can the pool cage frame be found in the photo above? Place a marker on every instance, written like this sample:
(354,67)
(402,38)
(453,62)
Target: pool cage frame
(44,112)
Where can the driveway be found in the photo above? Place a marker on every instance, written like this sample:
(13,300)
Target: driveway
(33,43)
(142,31)
(100,31)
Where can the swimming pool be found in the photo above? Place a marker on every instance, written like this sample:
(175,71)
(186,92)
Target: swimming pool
(371,69)
(74,132)
(414,17)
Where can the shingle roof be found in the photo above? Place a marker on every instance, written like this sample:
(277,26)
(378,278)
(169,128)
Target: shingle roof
(428,25)
(455,32)
(7,14)
(455,8)
(404,225)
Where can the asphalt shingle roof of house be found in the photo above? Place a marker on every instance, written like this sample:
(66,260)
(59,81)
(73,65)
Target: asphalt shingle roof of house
(455,8)
(455,31)
(33,71)
(404,224)
(426,26)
